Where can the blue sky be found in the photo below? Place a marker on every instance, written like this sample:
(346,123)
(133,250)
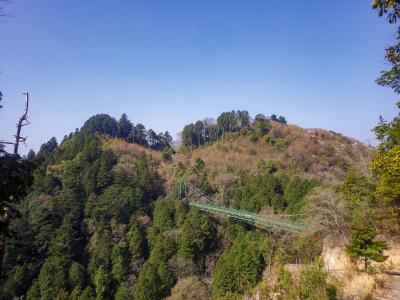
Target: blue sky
(168,63)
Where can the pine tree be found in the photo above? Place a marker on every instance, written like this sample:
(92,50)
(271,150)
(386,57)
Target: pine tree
(363,245)
(125,127)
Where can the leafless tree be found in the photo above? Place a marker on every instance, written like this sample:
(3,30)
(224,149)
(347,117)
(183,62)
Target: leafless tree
(329,212)
(23,121)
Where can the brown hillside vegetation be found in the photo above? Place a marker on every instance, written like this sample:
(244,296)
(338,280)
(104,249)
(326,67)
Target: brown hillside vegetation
(309,153)
(128,151)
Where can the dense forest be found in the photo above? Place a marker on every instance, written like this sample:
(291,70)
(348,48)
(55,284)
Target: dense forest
(93,225)
(102,215)
(98,223)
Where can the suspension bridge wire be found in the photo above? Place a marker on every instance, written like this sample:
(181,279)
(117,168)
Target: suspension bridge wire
(205,203)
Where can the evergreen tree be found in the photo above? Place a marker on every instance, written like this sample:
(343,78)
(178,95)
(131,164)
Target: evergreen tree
(154,282)
(31,155)
(125,127)
(197,235)
(238,268)
(282,120)
(101,123)
(52,277)
(87,294)
(120,262)
(76,275)
(102,282)
(140,135)
(152,139)
(136,241)
(363,245)
(123,292)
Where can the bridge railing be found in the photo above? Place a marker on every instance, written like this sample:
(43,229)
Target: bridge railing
(263,221)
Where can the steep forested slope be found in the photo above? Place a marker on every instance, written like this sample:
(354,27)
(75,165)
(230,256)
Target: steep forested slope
(104,219)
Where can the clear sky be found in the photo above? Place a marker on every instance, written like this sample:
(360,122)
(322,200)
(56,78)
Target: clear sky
(168,63)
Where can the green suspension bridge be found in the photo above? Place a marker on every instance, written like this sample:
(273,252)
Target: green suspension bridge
(264,221)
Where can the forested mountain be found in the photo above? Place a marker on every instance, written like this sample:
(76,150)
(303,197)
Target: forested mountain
(240,206)
(104,218)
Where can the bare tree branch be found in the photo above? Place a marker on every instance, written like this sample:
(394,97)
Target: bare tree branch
(24,118)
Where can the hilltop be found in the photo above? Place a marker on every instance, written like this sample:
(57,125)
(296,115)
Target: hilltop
(105,217)
(315,153)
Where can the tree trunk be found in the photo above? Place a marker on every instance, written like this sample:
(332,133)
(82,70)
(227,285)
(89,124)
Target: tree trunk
(365,264)
(24,118)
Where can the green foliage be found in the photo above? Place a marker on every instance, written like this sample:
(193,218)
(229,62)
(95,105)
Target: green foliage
(101,253)
(385,166)
(47,149)
(164,248)
(363,245)
(284,284)
(203,132)
(262,125)
(166,155)
(62,295)
(123,292)
(67,240)
(87,294)
(75,293)
(238,268)
(101,123)
(102,282)
(258,191)
(294,192)
(76,275)
(268,189)
(19,281)
(136,241)
(33,292)
(388,133)
(15,179)
(357,188)
(154,282)
(125,127)
(359,193)
(97,221)
(52,277)
(120,262)
(163,219)
(181,210)
(312,281)
(197,235)
(389,7)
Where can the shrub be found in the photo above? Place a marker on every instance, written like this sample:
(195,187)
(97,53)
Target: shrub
(284,284)
(312,281)
(166,155)
(189,288)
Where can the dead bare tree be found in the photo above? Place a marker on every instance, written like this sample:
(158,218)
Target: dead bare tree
(23,121)
(329,212)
